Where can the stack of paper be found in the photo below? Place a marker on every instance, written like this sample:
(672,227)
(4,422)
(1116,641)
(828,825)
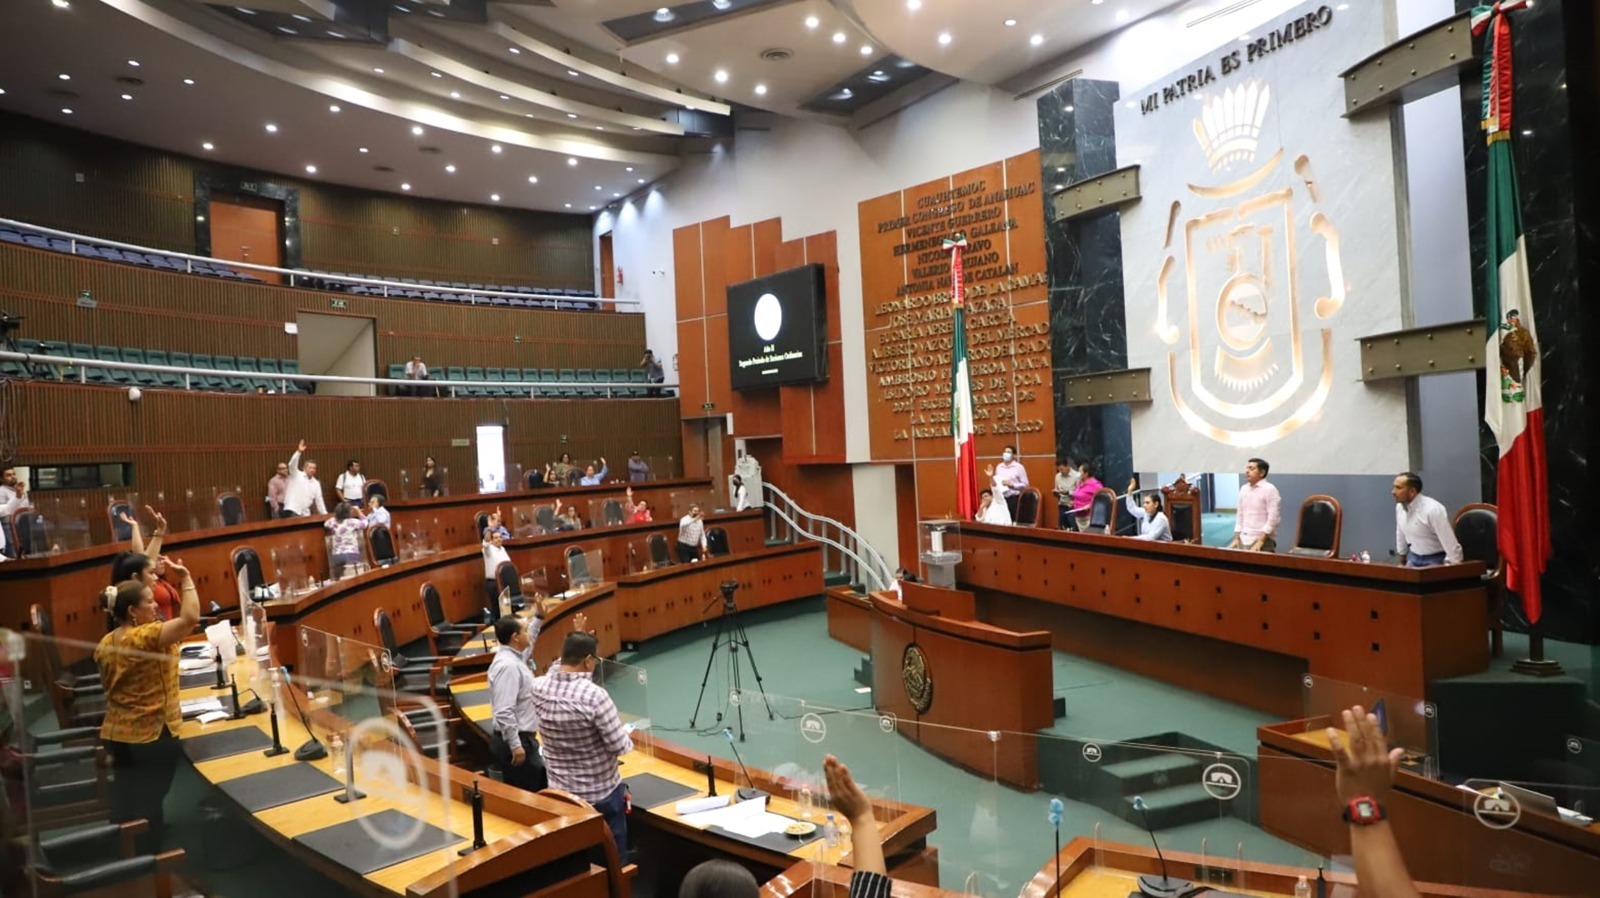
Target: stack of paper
(747,818)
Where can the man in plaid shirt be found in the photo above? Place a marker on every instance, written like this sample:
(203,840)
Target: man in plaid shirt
(582,736)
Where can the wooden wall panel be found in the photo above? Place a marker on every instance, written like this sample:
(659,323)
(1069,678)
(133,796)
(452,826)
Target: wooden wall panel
(145,196)
(766,237)
(718,244)
(203,442)
(183,313)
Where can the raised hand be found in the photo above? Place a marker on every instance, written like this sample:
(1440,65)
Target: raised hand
(1133,484)
(580,623)
(988,470)
(176,566)
(846,795)
(126,518)
(1366,763)
(160,519)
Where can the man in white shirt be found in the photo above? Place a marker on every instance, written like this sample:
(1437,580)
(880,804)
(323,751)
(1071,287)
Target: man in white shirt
(377,515)
(1067,479)
(691,536)
(350,485)
(494,555)
(514,745)
(1255,527)
(13,498)
(992,510)
(415,370)
(305,490)
(1423,534)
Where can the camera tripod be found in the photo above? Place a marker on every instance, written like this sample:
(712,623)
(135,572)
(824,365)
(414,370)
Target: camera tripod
(731,634)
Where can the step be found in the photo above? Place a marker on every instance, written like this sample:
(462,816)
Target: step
(773,543)
(1174,806)
(1154,771)
(835,578)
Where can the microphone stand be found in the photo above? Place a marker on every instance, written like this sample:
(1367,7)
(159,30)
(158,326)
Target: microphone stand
(238,712)
(1166,886)
(350,793)
(277,741)
(222,680)
(476,798)
(748,793)
(312,749)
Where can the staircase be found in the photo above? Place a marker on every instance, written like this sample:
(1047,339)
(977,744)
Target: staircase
(1165,769)
(847,558)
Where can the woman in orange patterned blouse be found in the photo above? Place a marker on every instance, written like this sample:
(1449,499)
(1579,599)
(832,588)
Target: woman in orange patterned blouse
(139,669)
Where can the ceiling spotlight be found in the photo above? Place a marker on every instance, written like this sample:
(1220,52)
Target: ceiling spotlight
(287,30)
(1036,40)
(208,146)
(944,38)
(812,21)
(866,49)
(189,81)
(664,15)
(592,208)
(334,108)
(516,51)
(567,205)
(65,111)
(641,180)
(572,160)
(64,76)
(913,5)
(60,4)
(599,127)
(450,168)
(311,169)
(300,18)
(271,128)
(504,97)
(533,179)
(572,72)
(721,76)
(405,186)
(761,90)
(494,197)
(336,35)
(377,71)
(672,59)
(455,95)
(572,115)
(597,187)
(838,37)
(878,77)
(436,74)
(722,4)
(1011,23)
(496,149)
(416,130)
(362,150)
(127,96)
(1069,108)
(134,63)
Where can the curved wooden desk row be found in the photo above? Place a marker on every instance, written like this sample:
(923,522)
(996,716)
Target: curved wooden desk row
(540,843)
(69,584)
(928,650)
(1442,839)
(1262,620)
(345,607)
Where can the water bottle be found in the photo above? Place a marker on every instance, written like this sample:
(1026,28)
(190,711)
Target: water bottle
(808,803)
(830,833)
(336,751)
(488,617)
(1302,888)
(1366,558)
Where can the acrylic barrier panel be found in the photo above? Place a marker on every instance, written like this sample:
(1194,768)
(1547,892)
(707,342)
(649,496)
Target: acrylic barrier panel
(417,538)
(629,688)
(653,551)
(297,571)
(1407,722)
(524,521)
(680,501)
(585,569)
(407,820)
(610,511)
(1507,835)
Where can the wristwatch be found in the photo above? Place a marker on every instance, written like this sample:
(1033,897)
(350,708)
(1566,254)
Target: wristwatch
(1364,810)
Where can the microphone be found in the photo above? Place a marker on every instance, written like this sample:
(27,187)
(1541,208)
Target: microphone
(277,739)
(1056,809)
(222,680)
(1163,886)
(475,796)
(238,712)
(312,749)
(749,792)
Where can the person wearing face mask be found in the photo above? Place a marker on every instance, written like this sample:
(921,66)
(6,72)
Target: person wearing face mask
(516,723)
(1010,478)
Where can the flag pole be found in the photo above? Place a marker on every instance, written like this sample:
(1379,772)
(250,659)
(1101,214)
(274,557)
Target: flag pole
(1536,664)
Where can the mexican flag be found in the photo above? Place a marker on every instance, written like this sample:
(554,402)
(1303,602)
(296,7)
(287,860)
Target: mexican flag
(1512,408)
(961,390)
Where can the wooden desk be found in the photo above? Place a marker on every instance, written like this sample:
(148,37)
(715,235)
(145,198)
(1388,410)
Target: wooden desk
(1242,626)
(654,602)
(978,678)
(524,832)
(1434,822)
(69,584)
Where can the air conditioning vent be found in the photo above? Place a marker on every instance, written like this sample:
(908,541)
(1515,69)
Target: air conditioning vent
(382,168)
(777,54)
(431,151)
(130,81)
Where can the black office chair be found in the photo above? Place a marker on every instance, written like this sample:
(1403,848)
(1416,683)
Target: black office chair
(245,558)
(660,552)
(1028,508)
(28,533)
(409,670)
(230,508)
(49,877)
(380,546)
(445,637)
(534,479)
(1477,528)
(481,521)
(1102,512)
(508,580)
(75,691)
(717,542)
(375,488)
(611,513)
(578,567)
(115,509)
(423,720)
(545,517)
(574,477)
(1320,522)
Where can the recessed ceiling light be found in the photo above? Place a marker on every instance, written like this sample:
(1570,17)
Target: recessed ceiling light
(597,187)
(287,30)
(1011,23)
(664,15)
(248,12)
(812,21)
(533,179)
(629,168)
(494,197)
(405,186)
(866,49)
(567,205)
(517,51)
(572,115)
(878,77)
(572,160)
(1061,169)
(504,97)
(300,17)
(64,76)
(616,194)
(572,72)
(1527,133)
(1069,108)
(722,4)
(913,5)
(208,146)
(134,63)
(334,107)
(2,91)
(1036,40)
(127,96)
(641,180)
(417,130)
(362,150)
(496,149)
(311,169)
(721,76)
(455,95)
(1123,15)
(846,94)
(376,70)
(672,59)
(336,35)
(436,74)
(60,4)
(271,128)
(592,208)
(189,81)
(838,37)
(65,111)
(599,127)
(761,90)
(450,168)
(944,38)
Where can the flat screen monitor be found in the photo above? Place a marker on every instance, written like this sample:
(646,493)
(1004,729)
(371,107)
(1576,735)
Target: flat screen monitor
(778,329)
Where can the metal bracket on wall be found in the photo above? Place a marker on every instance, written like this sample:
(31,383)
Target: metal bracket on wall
(1439,349)
(1411,68)
(1109,387)
(1114,188)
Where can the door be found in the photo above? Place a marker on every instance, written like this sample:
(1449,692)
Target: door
(248,229)
(608,273)
(491,458)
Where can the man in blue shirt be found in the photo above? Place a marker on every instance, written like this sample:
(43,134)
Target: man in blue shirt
(591,478)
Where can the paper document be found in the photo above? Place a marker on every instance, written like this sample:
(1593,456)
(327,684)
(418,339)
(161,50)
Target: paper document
(758,825)
(190,665)
(727,816)
(697,805)
(213,716)
(201,705)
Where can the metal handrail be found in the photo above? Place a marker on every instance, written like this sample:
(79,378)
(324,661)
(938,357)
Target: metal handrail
(867,559)
(83,364)
(292,273)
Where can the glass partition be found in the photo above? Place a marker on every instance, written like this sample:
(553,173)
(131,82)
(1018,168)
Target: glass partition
(417,537)
(681,500)
(1408,723)
(525,519)
(651,552)
(608,511)
(585,569)
(297,571)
